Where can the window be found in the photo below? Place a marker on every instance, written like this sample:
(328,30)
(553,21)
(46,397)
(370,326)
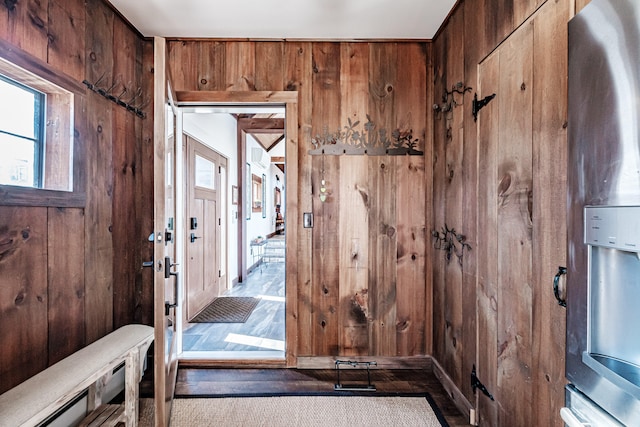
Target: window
(36,132)
(21,134)
(205,173)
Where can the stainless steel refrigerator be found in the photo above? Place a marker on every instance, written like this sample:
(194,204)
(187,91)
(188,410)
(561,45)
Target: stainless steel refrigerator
(603,253)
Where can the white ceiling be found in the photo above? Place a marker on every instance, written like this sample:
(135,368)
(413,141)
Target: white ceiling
(287,19)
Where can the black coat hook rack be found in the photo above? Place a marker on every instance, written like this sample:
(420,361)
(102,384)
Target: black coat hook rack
(120,98)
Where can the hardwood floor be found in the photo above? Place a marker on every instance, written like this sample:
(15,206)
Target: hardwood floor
(267,321)
(263,331)
(197,382)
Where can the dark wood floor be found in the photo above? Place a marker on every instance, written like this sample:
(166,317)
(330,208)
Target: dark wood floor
(193,382)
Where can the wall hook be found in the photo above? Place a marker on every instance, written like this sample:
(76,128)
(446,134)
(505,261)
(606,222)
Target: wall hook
(448,98)
(107,93)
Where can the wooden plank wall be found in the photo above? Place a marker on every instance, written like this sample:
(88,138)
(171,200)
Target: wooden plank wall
(70,275)
(363,287)
(503,289)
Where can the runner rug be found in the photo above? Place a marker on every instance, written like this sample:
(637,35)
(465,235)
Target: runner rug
(227,310)
(285,411)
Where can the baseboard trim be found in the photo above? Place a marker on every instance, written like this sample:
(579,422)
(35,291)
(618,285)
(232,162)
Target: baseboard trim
(385,362)
(458,398)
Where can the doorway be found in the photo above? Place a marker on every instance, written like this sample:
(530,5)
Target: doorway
(245,212)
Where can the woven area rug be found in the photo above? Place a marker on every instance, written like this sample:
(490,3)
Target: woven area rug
(227,310)
(290,411)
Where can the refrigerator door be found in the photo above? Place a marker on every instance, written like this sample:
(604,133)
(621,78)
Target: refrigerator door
(603,156)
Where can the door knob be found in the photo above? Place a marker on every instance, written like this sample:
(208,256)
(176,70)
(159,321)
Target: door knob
(194,237)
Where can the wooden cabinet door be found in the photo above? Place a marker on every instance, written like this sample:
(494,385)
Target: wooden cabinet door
(505,233)
(521,178)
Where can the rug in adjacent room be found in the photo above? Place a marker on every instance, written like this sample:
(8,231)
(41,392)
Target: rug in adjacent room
(227,310)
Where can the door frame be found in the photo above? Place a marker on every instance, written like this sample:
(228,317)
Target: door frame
(288,99)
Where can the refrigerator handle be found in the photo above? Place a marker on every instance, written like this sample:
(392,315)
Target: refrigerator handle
(556,286)
(570,419)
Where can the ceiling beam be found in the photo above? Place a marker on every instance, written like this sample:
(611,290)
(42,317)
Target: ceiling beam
(260,125)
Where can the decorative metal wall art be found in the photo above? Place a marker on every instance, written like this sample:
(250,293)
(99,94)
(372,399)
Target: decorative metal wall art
(451,242)
(448,98)
(368,141)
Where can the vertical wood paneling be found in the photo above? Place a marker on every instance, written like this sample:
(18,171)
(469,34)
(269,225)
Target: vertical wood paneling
(498,20)
(473,24)
(523,9)
(440,49)
(98,220)
(240,66)
(515,140)
(412,232)
(336,81)
(125,260)
(354,207)
(65,49)
(97,139)
(515,226)
(98,142)
(429,199)
(549,191)
(23,293)
(124,162)
(99,61)
(211,65)
(294,229)
(25,24)
(454,174)
(144,197)
(325,282)
(74,264)
(184,69)
(65,282)
(269,72)
(197,65)
(382,213)
(487,286)
(298,73)
(57,135)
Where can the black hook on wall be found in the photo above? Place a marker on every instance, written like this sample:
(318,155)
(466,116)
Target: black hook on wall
(448,98)
(108,93)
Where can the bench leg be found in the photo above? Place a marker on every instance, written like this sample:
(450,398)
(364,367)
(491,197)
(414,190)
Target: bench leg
(131,387)
(94,395)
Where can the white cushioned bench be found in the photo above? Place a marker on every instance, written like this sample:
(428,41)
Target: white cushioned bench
(90,368)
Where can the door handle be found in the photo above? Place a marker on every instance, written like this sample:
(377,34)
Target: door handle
(167,274)
(194,237)
(556,286)
(168,265)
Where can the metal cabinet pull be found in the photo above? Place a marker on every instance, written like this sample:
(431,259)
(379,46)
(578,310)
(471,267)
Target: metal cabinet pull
(556,286)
